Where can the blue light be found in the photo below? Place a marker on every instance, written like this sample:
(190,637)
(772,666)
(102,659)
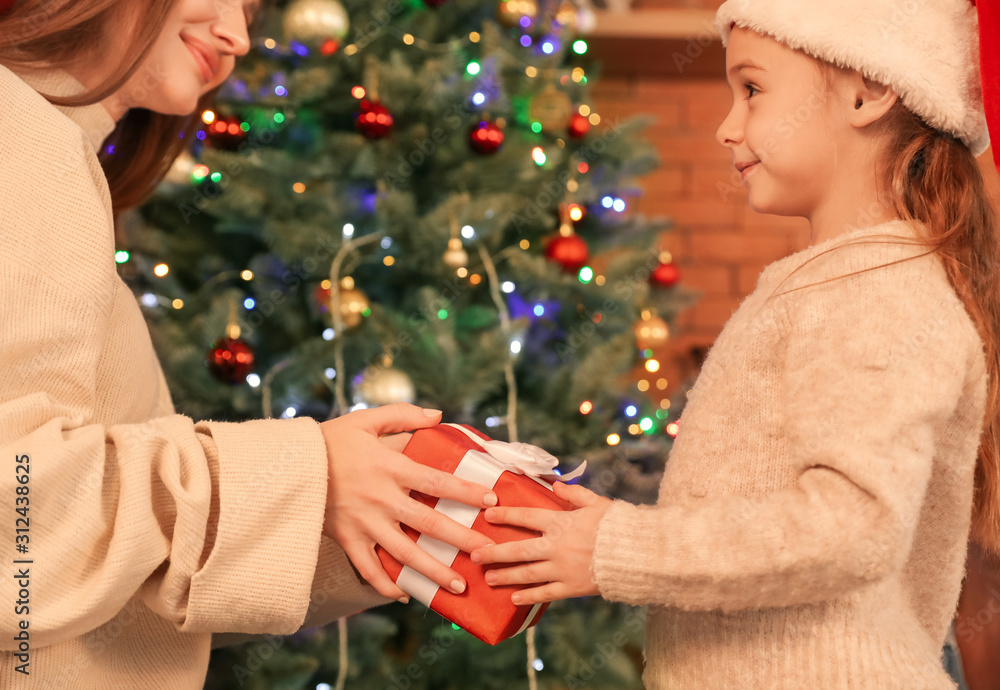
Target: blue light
(249,303)
(547,47)
(328,334)
(201,135)
(299,49)
(525,22)
(149,300)
(526,41)
(631,411)
(110,149)
(607,202)
(619,205)
(280,90)
(386,242)
(479,98)
(468,232)
(539,310)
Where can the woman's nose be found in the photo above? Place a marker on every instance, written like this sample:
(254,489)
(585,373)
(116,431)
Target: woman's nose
(231,31)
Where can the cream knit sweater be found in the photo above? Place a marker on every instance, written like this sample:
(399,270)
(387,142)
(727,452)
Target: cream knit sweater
(147,531)
(812,522)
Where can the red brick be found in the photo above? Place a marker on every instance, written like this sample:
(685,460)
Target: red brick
(746,277)
(736,247)
(714,312)
(670,180)
(717,180)
(695,213)
(710,279)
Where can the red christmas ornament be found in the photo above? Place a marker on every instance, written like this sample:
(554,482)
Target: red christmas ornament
(230,360)
(322,295)
(226,133)
(486,137)
(665,275)
(578,126)
(570,252)
(374,121)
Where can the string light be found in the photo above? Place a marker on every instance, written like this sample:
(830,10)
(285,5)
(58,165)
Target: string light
(643,385)
(672,429)
(161,270)
(661,384)
(586,274)
(208,117)
(652,365)
(248,303)
(600,280)
(538,154)
(634,429)
(178,304)
(358,92)
(121,256)
(614,439)
(586,407)
(298,187)
(524,244)
(389,260)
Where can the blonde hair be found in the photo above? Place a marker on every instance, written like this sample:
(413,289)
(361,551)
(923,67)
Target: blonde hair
(931,176)
(59,33)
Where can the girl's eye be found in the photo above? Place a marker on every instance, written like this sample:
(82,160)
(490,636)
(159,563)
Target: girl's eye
(750,87)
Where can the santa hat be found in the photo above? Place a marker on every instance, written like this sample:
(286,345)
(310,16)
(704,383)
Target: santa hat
(941,57)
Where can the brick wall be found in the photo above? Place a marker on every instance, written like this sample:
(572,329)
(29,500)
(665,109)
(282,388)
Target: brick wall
(718,241)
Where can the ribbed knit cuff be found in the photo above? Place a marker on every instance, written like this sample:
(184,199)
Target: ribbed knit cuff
(272,485)
(619,551)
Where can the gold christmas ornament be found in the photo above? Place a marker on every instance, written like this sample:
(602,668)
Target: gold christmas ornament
(181,170)
(455,256)
(566,15)
(511,12)
(551,108)
(651,332)
(311,22)
(353,303)
(384,385)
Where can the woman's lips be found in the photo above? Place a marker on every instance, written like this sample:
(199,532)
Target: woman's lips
(206,70)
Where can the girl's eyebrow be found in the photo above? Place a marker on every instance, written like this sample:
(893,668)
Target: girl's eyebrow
(745,64)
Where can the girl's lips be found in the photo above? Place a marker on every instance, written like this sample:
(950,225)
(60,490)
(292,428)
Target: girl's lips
(206,70)
(748,171)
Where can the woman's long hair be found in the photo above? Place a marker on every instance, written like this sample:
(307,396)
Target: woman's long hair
(930,176)
(60,33)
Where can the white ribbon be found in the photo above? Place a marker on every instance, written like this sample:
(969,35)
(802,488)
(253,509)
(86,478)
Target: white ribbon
(523,458)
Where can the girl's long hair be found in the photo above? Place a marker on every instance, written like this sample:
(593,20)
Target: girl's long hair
(930,176)
(61,33)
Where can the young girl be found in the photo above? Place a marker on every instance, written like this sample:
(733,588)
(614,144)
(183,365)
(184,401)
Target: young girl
(813,519)
(134,533)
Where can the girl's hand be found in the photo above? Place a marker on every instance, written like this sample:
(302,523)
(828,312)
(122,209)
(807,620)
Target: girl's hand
(368,496)
(561,556)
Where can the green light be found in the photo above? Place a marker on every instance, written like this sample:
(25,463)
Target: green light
(647,353)
(442,314)
(245,126)
(455,627)
(121,256)
(586,274)
(540,159)
(216,177)
(580,47)
(646,424)
(279,118)
(583,80)
(473,68)
(536,127)
(367,311)
(662,414)
(199,174)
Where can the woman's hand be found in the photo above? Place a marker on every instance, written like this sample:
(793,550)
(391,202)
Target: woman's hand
(561,557)
(369,496)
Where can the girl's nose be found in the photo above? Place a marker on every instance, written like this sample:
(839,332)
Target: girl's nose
(230,29)
(730,131)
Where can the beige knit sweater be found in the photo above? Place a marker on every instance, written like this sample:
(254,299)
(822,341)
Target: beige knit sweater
(812,522)
(147,531)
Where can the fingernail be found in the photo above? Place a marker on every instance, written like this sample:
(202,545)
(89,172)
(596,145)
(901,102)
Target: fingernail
(431,413)
(516,598)
(457,586)
(477,557)
(490,499)
(490,514)
(404,600)
(491,578)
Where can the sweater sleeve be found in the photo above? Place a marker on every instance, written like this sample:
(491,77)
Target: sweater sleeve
(872,372)
(216,526)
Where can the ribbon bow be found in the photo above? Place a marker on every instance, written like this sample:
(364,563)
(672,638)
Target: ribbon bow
(523,458)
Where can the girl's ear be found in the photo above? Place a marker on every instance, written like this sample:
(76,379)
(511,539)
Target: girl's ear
(870,100)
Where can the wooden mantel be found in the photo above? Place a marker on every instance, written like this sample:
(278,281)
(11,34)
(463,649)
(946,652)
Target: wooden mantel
(665,43)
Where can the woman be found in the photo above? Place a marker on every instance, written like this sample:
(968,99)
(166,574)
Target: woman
(142,531)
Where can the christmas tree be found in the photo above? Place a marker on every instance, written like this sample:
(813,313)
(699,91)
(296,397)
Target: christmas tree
(413,200)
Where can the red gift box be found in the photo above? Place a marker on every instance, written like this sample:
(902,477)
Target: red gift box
(482,610)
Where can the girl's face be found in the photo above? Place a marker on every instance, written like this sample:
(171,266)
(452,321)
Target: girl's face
(781,122)
(195,52)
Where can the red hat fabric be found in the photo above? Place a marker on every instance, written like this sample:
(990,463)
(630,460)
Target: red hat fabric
(989,68)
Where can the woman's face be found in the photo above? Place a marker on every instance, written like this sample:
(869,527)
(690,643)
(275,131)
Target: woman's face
(195,52)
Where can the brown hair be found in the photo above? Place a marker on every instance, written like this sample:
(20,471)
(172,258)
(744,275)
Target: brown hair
(59,33)
(932,177)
